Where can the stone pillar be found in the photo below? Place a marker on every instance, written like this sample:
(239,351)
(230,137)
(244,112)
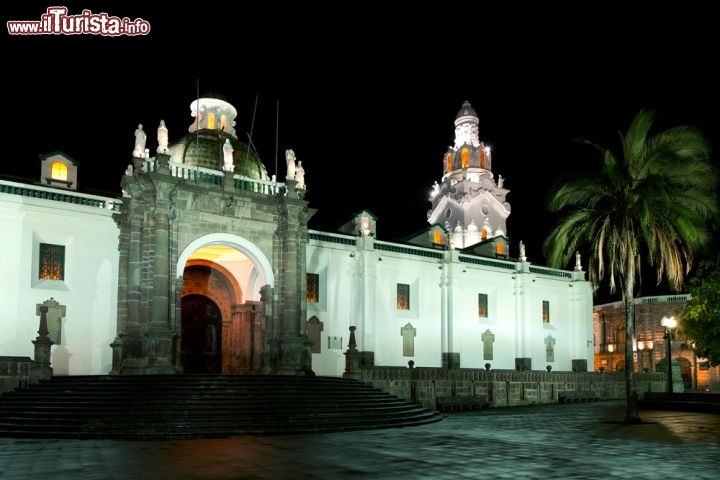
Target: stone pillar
(117,356)
(523,364)
(41,369)
(229,182)
(579,365)
(451,360)
(160,275)
(293,345)
(158,341)
(269,328)
(352,358)
(134,268)
(163,159)
(138,165)
(127,346)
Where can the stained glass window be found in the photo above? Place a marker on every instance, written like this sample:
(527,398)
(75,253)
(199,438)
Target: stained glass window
(403,296)
(313,292)
(52,262)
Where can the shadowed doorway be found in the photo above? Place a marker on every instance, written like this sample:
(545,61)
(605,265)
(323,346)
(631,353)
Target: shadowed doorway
(201,335)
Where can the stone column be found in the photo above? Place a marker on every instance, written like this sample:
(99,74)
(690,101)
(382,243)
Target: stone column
(293,345)
(128,346)
(41,369)
(352,358)
(158,338)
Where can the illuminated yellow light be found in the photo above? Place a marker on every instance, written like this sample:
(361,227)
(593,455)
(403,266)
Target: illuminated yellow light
(59,171)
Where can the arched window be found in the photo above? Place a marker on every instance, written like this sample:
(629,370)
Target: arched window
(483,235)
(59,171)
(223,123)
(465,155)
(211,121)
(482,158)
(449,162)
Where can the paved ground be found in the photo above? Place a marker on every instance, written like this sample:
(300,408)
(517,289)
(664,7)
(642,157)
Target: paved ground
(539,442)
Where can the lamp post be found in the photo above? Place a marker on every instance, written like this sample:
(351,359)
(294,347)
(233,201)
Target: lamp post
(668,323)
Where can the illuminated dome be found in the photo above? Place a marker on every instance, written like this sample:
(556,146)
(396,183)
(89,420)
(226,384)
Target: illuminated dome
(466,113)
(205,149)
(203,145)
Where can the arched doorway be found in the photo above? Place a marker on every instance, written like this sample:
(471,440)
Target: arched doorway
(201,339)
(230,274)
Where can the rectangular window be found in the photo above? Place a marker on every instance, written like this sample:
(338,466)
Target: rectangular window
(52,262)
(482,305)
(313,290)
(403,296)
(546,311)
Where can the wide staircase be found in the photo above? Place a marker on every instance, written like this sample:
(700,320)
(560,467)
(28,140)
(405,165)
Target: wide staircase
(200,406)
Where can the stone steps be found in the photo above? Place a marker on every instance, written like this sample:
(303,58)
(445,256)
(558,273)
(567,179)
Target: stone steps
(200,406)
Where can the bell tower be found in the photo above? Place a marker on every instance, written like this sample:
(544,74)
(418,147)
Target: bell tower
(468,201)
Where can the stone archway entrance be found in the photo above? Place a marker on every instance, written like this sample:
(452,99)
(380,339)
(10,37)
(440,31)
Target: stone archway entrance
(222,328)
(201,338)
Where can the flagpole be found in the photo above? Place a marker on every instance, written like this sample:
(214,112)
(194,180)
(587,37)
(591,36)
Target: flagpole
(277,128)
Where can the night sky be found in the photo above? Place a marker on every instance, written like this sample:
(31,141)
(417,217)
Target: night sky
(366,98)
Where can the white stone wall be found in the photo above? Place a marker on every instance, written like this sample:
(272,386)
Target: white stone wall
(88,291)
(358,290)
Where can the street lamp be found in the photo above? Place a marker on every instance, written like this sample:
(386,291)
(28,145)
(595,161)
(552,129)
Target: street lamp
(668,323)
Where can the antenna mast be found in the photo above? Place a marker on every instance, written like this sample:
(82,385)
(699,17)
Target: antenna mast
(252,127)
(277,128)
(197,113)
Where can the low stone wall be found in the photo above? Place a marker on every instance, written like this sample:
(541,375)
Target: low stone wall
(502,388)
(14,373)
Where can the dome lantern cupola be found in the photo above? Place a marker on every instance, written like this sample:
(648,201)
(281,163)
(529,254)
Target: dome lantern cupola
(466,127)
(212,143)
(213,113)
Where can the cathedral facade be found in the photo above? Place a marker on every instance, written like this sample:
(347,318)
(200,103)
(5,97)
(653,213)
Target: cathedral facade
(207,265)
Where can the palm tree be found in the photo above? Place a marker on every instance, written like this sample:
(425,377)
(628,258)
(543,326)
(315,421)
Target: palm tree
(653,199)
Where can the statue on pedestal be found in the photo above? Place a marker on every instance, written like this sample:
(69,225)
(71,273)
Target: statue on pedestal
(290,160)
(140,139)
(300,175)
(162,137)
(228,164)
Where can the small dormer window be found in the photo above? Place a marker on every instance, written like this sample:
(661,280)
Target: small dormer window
(59,171)
(500,248)
(437,237)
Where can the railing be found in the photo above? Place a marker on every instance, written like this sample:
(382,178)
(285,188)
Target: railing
(208,176)
(645,300)
(419,252)
(486,262)
(58,195)
(550,272)
(332,238)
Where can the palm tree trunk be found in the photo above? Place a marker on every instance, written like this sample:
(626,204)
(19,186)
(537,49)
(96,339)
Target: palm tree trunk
(631,411)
